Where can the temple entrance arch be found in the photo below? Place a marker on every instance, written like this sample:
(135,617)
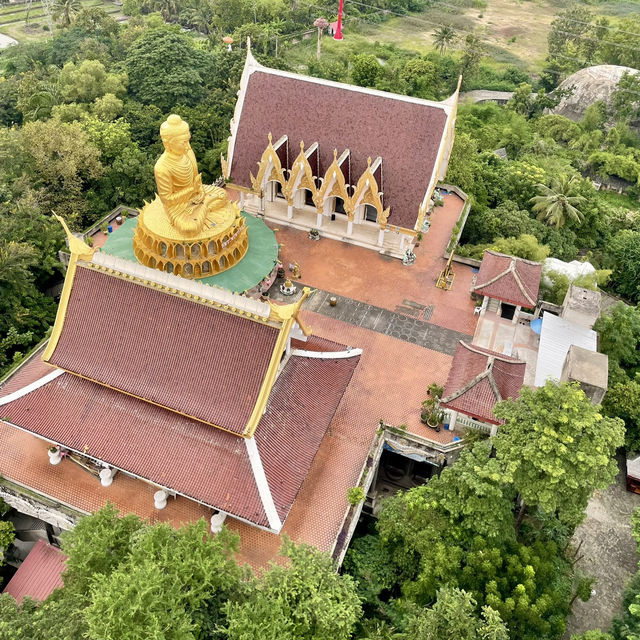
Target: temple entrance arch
(367,213)
(336,206)
(273,190)
(303,198)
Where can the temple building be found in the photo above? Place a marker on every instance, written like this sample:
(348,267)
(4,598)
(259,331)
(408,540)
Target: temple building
(355,164)
(150,374)
(199,392)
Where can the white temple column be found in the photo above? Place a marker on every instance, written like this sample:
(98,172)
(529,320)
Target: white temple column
(160,499)
(106,476)
(319,220)
(349,227)
(402,241)
(380,237)
(242,199)
(289,211)
(217,520)
(453,416)
(516,314)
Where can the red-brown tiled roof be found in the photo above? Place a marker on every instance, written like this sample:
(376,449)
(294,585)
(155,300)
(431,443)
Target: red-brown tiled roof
(406,133)
(478,379)
(179,354)
(305,397)
(188,456)
(513,280)
(39,574)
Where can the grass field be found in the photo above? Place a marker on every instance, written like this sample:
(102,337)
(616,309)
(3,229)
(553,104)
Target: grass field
(12,19)
(515,31)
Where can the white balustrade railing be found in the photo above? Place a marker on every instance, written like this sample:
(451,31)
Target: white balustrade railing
(465,421)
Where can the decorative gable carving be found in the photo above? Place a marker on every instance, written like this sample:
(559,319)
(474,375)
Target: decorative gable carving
(269,167)
(301,175)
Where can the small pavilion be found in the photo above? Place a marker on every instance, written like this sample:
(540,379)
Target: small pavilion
(508,284)
(478,379)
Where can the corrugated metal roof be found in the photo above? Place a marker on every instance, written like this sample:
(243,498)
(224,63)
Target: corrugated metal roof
(556,337)
(39,574)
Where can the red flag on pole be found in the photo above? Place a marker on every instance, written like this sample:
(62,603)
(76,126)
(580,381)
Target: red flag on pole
(338,34)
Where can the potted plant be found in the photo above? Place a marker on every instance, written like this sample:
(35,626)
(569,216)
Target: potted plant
(55,455)
(314,234)
(105,228)
(431,414)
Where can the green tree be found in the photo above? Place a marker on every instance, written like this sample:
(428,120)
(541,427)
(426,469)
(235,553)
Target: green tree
(454,615)
(624,260)
(88,81)
(443,37)
(198,14)
(619,338)
(558,203)
(472,53)
(365,70)
(306,600)
(194,573)
(556,448)
(164,69)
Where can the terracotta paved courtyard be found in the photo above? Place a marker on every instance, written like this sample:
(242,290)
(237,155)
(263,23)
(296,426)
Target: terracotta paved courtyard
(365,275)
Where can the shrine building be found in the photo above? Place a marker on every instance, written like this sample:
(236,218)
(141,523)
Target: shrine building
(124,388)
(356,164)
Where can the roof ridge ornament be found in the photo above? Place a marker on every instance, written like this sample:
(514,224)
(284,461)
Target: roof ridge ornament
(77,246)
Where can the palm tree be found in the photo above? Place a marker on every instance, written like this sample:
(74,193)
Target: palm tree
(65,10)
(558,203)
(443,37)
(199,14)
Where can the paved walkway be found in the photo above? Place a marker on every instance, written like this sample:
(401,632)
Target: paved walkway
(408,322)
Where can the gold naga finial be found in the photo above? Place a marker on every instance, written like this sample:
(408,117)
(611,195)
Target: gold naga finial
(335,155)
(284,312)
(270,137)
(369,162)
(76,246)
(301,145)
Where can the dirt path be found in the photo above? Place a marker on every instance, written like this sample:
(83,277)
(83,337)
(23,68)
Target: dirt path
(608,553)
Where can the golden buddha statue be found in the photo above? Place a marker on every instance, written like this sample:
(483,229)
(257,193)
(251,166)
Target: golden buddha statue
(190,229)
(189,205)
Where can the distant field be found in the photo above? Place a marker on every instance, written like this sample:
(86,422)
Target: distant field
(12,19)
(515,31)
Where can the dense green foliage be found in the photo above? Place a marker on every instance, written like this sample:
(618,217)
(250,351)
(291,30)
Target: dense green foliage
(619,331)
(127,580)
(495,525)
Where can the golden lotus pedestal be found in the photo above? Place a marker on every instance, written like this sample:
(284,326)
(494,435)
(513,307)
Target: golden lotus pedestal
(217,247)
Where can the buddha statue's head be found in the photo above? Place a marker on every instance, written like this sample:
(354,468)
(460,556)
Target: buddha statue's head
(175,135)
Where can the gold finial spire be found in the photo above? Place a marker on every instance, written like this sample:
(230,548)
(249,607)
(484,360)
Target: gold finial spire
(369,162)
(76,246)
(270,137)
(301,145)
(335,155)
